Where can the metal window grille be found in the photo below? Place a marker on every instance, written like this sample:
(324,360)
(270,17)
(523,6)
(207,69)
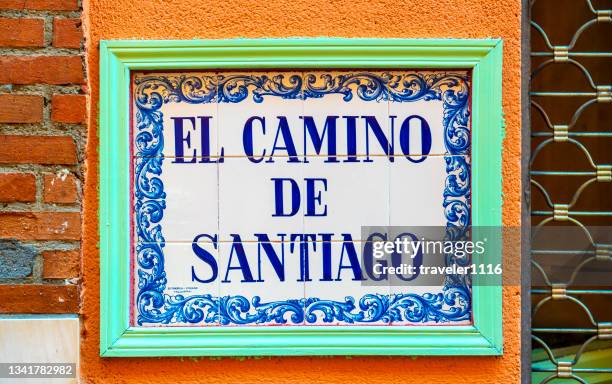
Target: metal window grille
(571,183)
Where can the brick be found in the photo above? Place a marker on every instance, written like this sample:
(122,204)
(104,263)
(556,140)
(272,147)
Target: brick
(22,32)
(17,188)
(37,149)
(61,264)
(41,70)
(67,33)
(60,188)
(16,259)
(21,109)
(40,225)
(68,109)
(40,5)
(39,299)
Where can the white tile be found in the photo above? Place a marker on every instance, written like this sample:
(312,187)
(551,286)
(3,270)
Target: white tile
(450,86)
(192,200)
(429,254)
(38,339)
(190,122)
(247,198)
(338,291)
(356,195)
(191,132)
(417,191)
(192,281)
(260,283)
(418,128)
(416,299)
(271,120)
(190,268)
(365,117)
(431,299)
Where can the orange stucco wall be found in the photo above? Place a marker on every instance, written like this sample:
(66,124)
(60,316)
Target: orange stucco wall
(189,19)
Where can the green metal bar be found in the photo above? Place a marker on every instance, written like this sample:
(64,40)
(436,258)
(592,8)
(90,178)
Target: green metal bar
(561,252)
(577,134)
(575,54)
(564,330)
(578,291)
(574,213)
(583,370)
(564,94)
(562,173)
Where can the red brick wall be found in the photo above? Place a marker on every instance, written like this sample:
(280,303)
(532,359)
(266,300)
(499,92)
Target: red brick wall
(42,136)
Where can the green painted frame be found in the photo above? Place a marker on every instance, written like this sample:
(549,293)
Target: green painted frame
(118,58)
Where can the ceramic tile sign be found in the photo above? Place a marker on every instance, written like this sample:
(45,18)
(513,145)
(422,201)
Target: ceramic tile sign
(250,190)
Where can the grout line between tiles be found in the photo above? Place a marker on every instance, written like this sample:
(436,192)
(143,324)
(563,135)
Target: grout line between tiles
(302,156)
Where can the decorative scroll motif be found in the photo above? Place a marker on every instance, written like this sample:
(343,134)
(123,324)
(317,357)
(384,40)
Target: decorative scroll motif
(453,303)
(235,88)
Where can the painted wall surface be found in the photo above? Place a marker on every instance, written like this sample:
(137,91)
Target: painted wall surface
(189,19)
